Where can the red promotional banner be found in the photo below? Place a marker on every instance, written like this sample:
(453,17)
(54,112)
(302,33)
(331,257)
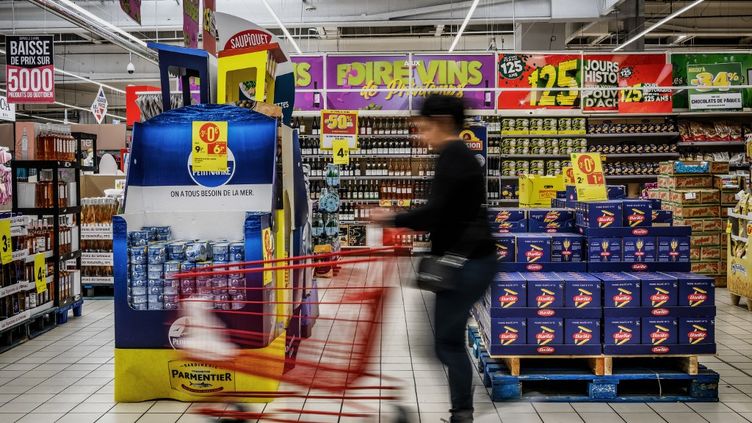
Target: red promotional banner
(210,34)
(132,111)
(30,71)
(601,73)
(648,89)
(132,8)
(190,23)
(555,78)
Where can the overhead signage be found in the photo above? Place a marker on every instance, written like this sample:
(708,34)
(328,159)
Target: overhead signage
(99,106)
(539,81)
(7,109)
(681,63)
(647,89)
(367,82)
(470,77)
(190,23)
(602,73)
(309,82)
(30,71)
(132,8)
(714,86)
(338,125)
(209,34)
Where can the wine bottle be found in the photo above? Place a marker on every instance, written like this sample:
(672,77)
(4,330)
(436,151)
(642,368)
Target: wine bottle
(316,95)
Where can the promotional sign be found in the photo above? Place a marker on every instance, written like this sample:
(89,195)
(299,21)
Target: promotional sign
(714,84)
(341,151)
(588,177)
(339,125)
(209,147)
(7,110)
(309,82)
(30,71)
(362,77)
(648,89)
(453,73)
(602,73)
(681,61)
(40,273)
(132,8)
(132,111)
(190,23)
(6,245)
(99,106)
(476,139)
(209,34)
(554,78)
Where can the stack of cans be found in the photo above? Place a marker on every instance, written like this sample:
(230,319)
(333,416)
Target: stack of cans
(146,281)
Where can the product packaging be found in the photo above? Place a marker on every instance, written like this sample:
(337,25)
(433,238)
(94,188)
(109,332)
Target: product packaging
(637,213)
(509,290)
(505,247)
(533,248)
(582,331)
(658,289)
(604,249)
(673,249)
(696,331)
(620,290)
(639,249)
(600,214)
(695,290)
(544,290)
(621,331)
(545,331)
(581,290)
(659,331)
(504,220)
(550,220)
(662,217)
(508,332)
(566,247)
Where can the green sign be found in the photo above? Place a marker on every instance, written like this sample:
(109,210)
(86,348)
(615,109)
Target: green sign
(715,84)
(682,61)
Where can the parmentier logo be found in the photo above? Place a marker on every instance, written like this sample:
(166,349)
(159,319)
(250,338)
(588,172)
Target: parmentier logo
(200,378)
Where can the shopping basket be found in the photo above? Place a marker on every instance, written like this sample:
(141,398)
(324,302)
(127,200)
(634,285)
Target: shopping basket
(329,367)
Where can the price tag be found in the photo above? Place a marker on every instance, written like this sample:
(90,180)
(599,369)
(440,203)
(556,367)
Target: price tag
(568,175)
(690,195)
(339,125)
(6,245)
(209,147)
(385,203)
(588,177)
(40,272)
(341,151)
(403,203)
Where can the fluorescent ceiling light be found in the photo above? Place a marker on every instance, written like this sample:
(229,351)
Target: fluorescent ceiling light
(103,22)
(464,24)
(657,24)
(284,28)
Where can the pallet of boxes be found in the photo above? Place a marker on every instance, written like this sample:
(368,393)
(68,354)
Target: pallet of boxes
(689,191)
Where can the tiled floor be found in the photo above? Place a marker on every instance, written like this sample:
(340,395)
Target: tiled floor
(66,375)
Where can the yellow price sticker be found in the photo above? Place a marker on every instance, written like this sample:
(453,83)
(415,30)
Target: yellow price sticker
(6,245)
(385,203)
(341,151)
(341,122)
(403,203)
(40,273)
(209,147)
(588,177)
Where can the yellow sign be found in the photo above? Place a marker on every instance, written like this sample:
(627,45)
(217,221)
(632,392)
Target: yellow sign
(588,177)
(267,253)
(568,173)
(209,147)
(198,378)
(385,203)
(6,245)
(339,125)
(40,273)
(403,203)
(341,151)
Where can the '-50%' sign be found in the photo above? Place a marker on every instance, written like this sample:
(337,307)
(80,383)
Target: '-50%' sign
(30,71)
(339,125)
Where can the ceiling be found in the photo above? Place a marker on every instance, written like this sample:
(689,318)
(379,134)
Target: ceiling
(373,25)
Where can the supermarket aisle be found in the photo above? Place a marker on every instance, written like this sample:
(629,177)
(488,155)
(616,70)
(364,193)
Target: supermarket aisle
(66,375)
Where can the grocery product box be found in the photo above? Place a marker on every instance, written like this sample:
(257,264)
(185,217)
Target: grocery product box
(695,290)
(696,330)
(709,253)
(508,331)
(600,214)
(538,191)
(682,167)
(685,181)
(509,290)
(620,290)
(659,331)
(621,331)
(663,217)
(637,249)
(732,183)
(728,197)
(582,331)
(660,194)
(673,249)
(637,213)
(507,220)
(708,267)
(581,290)
(604,249)
(712,239)
(544,290)
(545,331)
(532,248)
(505,247)
(659,290)
(693,211)
(696,196)
(566,247)
(701,224)
(616,192)
(550,220)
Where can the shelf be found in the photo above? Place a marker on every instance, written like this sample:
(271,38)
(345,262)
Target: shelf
(96,231)
(504,200)
(45,164)
(30,256)
(49,211)
(710,143)
(24,316)
(635,135)
(92,281)
(366,137)
(363,177)
(638,155)
(740,216)
(532,156)
(71,256)
(739,238)
(627,177)
(538,136)
(16,288)
(375,156)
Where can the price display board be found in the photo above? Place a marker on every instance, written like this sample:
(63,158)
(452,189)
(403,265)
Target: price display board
(714,86)
(6,245)
(341,152)
(647,89)
(30,71)
(209,147)
(339,125)
(40,273)
(588,177)
(539,81)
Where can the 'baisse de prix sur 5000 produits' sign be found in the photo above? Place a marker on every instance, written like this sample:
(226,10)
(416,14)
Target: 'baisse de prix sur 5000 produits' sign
(30,72)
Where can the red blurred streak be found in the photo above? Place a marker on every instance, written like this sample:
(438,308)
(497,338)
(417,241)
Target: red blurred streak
(271,269)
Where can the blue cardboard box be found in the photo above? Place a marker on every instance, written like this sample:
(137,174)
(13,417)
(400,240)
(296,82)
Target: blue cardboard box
(533,248)
(658,289)
(571,193)
(505,247)
(604,249)
(621,331)
(620,290)
(507,220)
(508,332)
(550,220)
(655,203)
(544,290)
(566,247)
(509,290)
(581,290)
(695,290)
(673,249)
(637,213)
(663,217)
(600,214)
(696,330)
(582,332)
(639,249)
(545,331)
(659,331)
(616,192)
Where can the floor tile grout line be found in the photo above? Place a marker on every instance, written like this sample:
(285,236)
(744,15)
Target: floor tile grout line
(407,332)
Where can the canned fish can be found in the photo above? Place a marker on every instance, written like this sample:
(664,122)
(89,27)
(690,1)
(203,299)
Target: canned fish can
(176,250)
(237,268)
(140,306)
(155,290)
(172,266)
(171,305)
(157,254)
(237,301)
(139,299)
(203,286)
(155,271)
(522,125)
(188,283)
(536,125)
(140,281)
(156,306)
(155,282)
(138,269)
(187,266)
(234,283)
(222,302)
(138,238)
(197,251)
(137,255)
(164,233)
(171,275)
(138,290)
(203,265)
(537,142)
(550,124)
(220,251)
(172,298)
(172,283)
(187,291)
(236,251)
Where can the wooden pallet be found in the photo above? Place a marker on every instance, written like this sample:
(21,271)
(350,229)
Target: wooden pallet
(515,364)
(688,364)
(736,298)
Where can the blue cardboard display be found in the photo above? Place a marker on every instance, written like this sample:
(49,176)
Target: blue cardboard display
(563,312)
(509,290)
(663,217)
(620,290)
(639,267)
(550,220)
(544,290)
(604,249)
(566,247)
(533,248)
(600,214)
(544,331)
(581,290)
(621,331)
(546,267)
(582,332)
(508,332)
(672,249)
(659,290)
(696,330)
(695,290)
(507,220)
(637,213)
(677,311)
(534,350)
(622,232)
(659,330)
(658,350)
(505,247)
(637,249)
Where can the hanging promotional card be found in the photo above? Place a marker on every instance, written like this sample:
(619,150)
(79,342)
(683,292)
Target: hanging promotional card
(451,74)
(309,82)
(99,106)
(367,82)
(190,23)
(539,81)
(30,71)
(648,89)
(132,8)
(717,72)
(209,34)
(7,110)
(601,75)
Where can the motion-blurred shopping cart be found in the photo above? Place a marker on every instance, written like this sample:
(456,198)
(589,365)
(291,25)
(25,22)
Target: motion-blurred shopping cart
(330,366)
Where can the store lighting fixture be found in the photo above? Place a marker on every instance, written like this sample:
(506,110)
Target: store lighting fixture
(464,24)
(103,22)
(281,25)
(659,23)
